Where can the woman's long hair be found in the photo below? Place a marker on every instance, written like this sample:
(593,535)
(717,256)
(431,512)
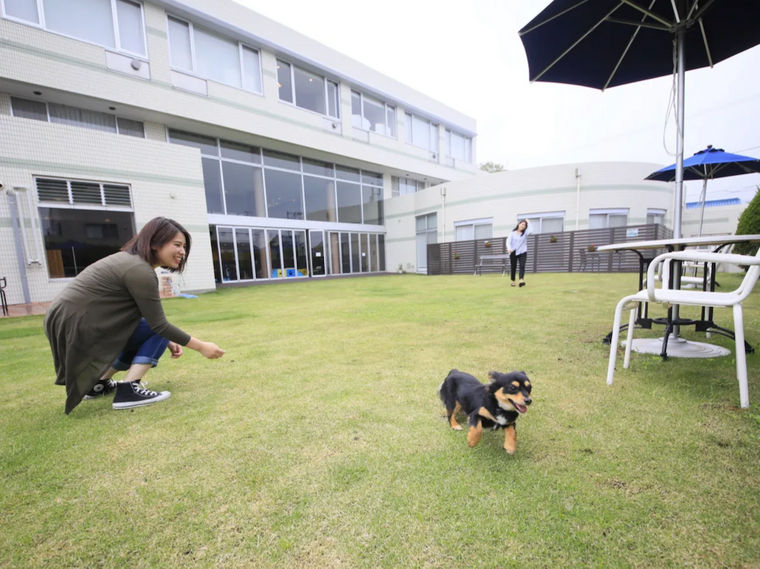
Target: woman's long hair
(519,221)
(157,232)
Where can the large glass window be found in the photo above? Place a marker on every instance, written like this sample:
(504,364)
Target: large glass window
(458,146)
(320,198)
(283,191)
(372,114)
(421,132)
(242,183)
(240,179)
(76,238)
(307,89)
(25,10)
(212,56)
(372,204)
(74,116)
(217,58)
(349,203)
(92,21)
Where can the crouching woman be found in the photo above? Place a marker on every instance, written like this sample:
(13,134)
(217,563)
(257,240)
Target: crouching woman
(110,319)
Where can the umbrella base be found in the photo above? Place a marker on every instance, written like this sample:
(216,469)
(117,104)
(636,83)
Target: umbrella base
(678,348)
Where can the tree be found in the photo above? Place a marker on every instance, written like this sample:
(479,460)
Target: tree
(749,223)
(492,167)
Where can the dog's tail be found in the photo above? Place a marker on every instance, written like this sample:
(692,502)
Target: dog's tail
(441,393)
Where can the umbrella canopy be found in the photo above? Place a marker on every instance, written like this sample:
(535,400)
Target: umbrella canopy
(706,165)
(606,43)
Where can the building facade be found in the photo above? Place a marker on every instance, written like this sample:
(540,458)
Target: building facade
(283,158)
(276,152)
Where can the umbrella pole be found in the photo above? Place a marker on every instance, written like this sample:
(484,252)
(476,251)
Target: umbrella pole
(702,213)
(680,82)
(680,74)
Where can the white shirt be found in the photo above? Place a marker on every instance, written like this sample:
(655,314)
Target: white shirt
(518,242)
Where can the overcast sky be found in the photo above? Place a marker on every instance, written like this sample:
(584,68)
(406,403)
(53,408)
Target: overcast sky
(467,54)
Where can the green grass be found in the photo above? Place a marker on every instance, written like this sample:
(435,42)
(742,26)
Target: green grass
(319,441)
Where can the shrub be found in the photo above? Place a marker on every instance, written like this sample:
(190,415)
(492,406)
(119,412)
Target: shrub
(749,223)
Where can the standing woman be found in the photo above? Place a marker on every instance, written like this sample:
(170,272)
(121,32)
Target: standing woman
(110,318)
(517,247)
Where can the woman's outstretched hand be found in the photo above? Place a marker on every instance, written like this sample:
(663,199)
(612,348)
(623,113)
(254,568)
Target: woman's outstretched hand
(211,350)
(207,349)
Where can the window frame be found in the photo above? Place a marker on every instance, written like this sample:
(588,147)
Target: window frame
(328,84)
(42,24)
(194,66)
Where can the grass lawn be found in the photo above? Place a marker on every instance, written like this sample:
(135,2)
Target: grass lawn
(319,441)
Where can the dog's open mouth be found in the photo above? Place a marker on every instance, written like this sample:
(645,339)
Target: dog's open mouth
(519,408)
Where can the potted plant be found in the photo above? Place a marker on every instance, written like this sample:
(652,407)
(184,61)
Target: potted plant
(591,248)
(553,239)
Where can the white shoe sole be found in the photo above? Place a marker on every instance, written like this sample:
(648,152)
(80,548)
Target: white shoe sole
(139,403)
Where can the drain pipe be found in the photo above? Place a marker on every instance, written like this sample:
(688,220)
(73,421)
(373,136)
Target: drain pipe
(577,199)
(16,222)
(443,214)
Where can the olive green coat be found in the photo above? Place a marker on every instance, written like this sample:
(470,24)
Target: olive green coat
(89,322)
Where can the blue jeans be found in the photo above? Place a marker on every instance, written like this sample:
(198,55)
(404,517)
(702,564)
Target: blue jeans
(143,347)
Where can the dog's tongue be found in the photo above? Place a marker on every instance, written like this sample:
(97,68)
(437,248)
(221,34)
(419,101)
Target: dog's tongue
(521,408)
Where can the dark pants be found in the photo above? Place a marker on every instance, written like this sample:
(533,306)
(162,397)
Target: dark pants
(143,347)
(513,260)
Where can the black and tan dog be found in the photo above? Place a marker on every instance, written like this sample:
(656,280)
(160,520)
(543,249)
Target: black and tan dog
(496,405)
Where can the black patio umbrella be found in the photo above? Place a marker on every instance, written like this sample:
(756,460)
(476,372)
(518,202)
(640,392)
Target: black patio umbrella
(706,165)
(606,43)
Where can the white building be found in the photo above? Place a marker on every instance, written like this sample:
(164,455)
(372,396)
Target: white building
(282,157)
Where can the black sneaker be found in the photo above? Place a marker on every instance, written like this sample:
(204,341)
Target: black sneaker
(134,394)
(102,387)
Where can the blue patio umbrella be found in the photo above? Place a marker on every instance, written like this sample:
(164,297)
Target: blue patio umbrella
(706,165)
(606,43)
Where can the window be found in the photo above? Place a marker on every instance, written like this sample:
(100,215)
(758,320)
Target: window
(372,114)
(93,21)
(74,116)
(82,222)
(473,229)
(307,90)
(546,222)
(656,216)
(240,179)
(603,218)
(403,186)
(458,146)
(421,132)
(193,49)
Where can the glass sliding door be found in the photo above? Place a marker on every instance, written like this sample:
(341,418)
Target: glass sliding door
(364,252)
(259,243)
(345,253)
(355,253)
(275,254)
(318,253)
(302,264)
(228,262)
(373,253)
(335,254)
(245,261)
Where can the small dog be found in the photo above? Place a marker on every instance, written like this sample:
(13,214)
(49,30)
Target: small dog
(496,405)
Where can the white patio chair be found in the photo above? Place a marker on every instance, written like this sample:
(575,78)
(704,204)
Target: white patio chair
(670,296)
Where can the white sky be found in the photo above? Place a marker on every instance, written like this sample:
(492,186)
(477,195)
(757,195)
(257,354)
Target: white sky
(467,54)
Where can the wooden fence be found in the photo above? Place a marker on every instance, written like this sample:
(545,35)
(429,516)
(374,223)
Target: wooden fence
(568,251)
